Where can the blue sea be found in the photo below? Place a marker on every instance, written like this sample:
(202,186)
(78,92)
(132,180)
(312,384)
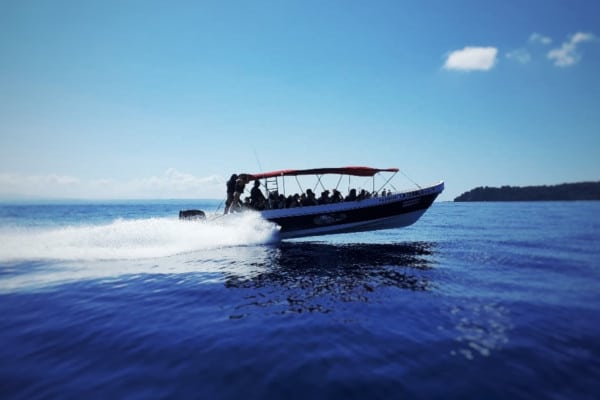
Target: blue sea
(121,300)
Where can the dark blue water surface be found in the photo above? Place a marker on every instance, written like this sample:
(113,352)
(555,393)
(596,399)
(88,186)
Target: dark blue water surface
(122,300)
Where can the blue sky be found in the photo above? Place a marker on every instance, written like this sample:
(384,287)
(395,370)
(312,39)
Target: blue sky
(137,99)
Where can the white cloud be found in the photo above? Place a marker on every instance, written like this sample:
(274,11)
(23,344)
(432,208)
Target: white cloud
(176,183)
(582,37)
(29,184)
(472,59)
(520,55)
(538,38)
(567,54)
(171,184)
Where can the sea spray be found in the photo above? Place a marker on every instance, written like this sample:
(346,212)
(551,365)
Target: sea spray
(133,239)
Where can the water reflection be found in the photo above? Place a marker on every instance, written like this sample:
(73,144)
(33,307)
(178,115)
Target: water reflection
(300,277)
(478,328)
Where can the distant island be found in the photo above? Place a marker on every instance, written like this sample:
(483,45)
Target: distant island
(562,192)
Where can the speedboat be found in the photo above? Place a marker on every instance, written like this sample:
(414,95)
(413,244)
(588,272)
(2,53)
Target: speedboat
(378,208)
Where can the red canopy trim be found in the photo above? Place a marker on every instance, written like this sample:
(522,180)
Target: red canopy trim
(354,171)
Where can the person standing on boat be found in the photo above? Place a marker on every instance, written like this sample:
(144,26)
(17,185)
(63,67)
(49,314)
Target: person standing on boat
(230,191)
(240,184)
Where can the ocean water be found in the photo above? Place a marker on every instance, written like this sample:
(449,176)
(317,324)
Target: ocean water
(123,300)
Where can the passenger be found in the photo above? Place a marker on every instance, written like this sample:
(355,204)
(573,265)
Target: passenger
(273,202)
(292,201)
(337,196)
(324,199)
(302,199)
(296,201)
(311,200)
(240,184)
(230,191)
(383,193)
(351,196)
(363,195)
(257,198)
(281,201)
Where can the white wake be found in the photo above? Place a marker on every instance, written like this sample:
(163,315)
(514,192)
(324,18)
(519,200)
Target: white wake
(133,239)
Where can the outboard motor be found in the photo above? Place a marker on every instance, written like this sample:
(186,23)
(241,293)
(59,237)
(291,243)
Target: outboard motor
(192,215)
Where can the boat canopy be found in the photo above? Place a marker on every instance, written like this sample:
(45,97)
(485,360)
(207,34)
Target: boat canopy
(354,171)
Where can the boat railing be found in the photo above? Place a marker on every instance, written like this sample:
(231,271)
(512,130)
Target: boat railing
(392,195)
(271,185)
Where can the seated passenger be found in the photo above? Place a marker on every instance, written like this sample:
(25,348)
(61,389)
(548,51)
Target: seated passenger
(351,196)
(337,196)
(311,200)
(288,201)
(257,198)
(295,201)
(362,195)
(302,199)
(324,199)
(273,201)
(281,203)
